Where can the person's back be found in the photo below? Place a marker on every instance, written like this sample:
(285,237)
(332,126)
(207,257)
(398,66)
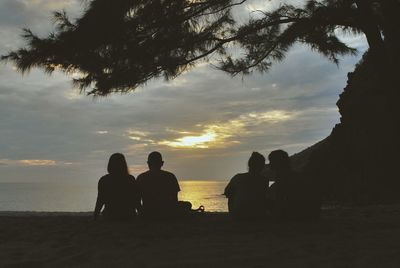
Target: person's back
(158,189)
(117,191)
(294,196)
(286,194)
(246,192)
(158,192)
(119,194)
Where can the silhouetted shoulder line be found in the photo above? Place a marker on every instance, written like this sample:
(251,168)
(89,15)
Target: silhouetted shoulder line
(104,178)
(167,173)
(239,175)
(142,175)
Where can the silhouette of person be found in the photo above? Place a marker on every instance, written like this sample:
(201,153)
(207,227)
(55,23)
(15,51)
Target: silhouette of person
(291,195)
(158,189)
(282,191)
(117,191)
(246,192)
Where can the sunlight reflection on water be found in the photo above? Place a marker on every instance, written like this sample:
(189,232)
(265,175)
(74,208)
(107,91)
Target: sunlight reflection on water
(207,193)
(81,196)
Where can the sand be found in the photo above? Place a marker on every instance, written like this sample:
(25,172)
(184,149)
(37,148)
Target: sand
(344,237)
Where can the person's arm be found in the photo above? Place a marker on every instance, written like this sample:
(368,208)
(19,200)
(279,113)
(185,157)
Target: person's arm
(267,181)
(139,197)
(136,197)
(99,201)
(229,188)
(177,189)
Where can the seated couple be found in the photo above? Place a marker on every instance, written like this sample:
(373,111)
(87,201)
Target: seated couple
(154,194)
(292,196)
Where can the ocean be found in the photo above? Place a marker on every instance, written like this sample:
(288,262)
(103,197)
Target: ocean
(81,196)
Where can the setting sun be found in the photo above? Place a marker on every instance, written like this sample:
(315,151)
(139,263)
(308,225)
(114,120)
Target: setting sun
(193,141)
(225,134)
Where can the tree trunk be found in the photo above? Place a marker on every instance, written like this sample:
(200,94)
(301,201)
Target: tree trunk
(370,26)
(390,22)
(382,58)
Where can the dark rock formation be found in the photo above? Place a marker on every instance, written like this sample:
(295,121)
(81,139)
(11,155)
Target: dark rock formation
(357,163)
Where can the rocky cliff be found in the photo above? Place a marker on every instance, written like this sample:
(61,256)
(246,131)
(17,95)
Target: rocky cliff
(357,163)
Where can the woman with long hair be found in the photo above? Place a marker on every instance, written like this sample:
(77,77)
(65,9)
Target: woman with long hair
(246,192)
(117,191)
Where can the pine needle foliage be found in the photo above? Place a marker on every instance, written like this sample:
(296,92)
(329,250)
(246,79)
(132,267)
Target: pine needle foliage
(119,45)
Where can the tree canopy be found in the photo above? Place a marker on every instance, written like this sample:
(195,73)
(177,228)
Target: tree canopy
(119,45)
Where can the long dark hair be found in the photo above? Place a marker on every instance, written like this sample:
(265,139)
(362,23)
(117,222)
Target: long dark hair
(117,165)
(256,162)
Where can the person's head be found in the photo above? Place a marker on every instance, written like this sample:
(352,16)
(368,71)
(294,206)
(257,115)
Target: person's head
(256,162)
(279,161)
(117,164)
(154,161)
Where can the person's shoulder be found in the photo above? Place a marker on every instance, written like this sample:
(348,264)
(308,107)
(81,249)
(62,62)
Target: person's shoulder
(104,178)
(167,174)
(235,179)
(233,184)
(143,175)
(131,178)
(240,176)
(170,179)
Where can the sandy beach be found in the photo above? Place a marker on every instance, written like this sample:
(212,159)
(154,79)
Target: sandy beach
(343,237)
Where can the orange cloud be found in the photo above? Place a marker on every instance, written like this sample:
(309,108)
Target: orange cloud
(224,134)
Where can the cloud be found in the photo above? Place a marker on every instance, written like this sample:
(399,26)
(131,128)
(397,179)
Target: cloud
(137,169)
(34,13)
(136,134)
(204,122)
(37,162)
(28,162)
(225,134)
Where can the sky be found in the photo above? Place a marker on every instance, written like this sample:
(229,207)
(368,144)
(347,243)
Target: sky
(205,123)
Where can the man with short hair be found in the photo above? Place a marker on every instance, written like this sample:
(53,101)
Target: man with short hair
(294,195)
(158,189)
